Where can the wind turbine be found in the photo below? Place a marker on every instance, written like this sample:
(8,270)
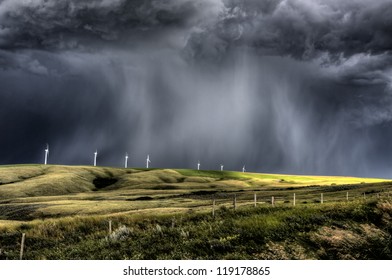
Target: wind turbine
(46,153)
(148,161)
(243,169)
(198,165)
(222,167)
(126,160)
(95,157)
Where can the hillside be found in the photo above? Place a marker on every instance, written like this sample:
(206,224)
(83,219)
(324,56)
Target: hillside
(55,205)
(39,191)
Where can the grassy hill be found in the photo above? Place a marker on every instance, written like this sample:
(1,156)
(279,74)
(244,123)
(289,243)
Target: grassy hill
(65,212)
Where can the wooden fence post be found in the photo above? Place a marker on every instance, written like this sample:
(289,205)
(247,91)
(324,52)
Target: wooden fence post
(347,196)
(235,202)
(273,201)
(322,198)
(173,224)
(110,227)
(22,243)
(294,200)
(213,208)
(255,199)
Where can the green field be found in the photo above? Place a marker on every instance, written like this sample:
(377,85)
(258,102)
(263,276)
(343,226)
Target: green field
(167,214)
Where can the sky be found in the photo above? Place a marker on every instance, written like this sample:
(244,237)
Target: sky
(280,86)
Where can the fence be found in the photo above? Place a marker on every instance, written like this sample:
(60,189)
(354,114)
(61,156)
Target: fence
(236,200)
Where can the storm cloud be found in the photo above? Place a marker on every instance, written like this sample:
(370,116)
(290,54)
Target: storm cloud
(280,86)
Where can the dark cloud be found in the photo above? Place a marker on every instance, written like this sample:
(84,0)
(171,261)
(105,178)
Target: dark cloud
(70,24)
(281,86)
(302,29)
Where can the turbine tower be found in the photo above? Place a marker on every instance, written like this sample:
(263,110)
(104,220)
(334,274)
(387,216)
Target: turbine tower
(198,165)
(243,169)
(148,161)
(126,160)
(222,167)
(46,153)
(95,157)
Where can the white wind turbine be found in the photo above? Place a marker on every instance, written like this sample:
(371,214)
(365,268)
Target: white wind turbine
(148,161)
(221,167)
(95,157)
(126,160)
(198,165)
(46,153)
(243,169)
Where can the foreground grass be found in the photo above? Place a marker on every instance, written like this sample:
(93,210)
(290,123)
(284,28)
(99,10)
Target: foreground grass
(354,230)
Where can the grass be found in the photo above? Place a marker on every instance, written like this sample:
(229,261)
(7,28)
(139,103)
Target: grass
(166,214)
(353,230)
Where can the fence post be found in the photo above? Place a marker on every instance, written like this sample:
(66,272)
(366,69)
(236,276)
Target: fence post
(255,199)
(273,201)
(22,245)
(294,200)
(347,196)
(110,227)
(213,208)
(235,202)
(322,198)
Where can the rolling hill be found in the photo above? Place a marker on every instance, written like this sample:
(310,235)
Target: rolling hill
(40,191)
